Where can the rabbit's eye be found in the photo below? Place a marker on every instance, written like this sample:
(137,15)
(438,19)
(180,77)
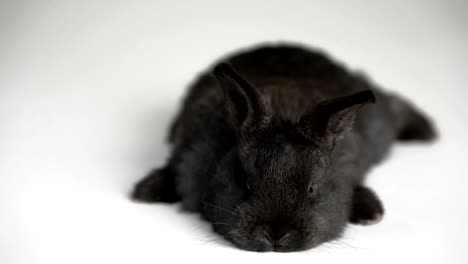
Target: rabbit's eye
(312,190)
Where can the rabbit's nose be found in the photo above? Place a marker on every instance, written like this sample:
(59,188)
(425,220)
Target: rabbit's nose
(277,232)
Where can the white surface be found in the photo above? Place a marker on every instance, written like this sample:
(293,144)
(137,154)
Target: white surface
(88,89)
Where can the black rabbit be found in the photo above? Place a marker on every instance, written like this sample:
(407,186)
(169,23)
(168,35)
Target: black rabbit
(272,147)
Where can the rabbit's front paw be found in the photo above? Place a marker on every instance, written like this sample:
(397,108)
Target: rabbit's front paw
(367,208)
(158,186)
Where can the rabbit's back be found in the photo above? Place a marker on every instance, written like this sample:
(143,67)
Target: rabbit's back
(292,79)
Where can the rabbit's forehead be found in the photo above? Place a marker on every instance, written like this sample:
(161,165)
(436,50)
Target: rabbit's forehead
(288,154)
(287,161)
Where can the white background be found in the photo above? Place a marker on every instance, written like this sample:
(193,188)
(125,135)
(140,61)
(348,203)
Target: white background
(87,89)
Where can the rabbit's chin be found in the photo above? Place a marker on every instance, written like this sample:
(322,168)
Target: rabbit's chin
(262,246)
(254,242)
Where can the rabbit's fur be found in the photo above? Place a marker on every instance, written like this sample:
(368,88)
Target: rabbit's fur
(273,144)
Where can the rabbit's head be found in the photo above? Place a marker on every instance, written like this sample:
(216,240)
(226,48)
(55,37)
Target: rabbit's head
(278,189)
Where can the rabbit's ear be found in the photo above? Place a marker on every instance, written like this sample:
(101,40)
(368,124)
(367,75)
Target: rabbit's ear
(244,103)
(333,118)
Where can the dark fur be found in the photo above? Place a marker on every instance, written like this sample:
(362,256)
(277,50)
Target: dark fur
(272,148)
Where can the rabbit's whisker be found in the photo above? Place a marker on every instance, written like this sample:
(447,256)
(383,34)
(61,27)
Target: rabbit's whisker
(221,208)
(226,224)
